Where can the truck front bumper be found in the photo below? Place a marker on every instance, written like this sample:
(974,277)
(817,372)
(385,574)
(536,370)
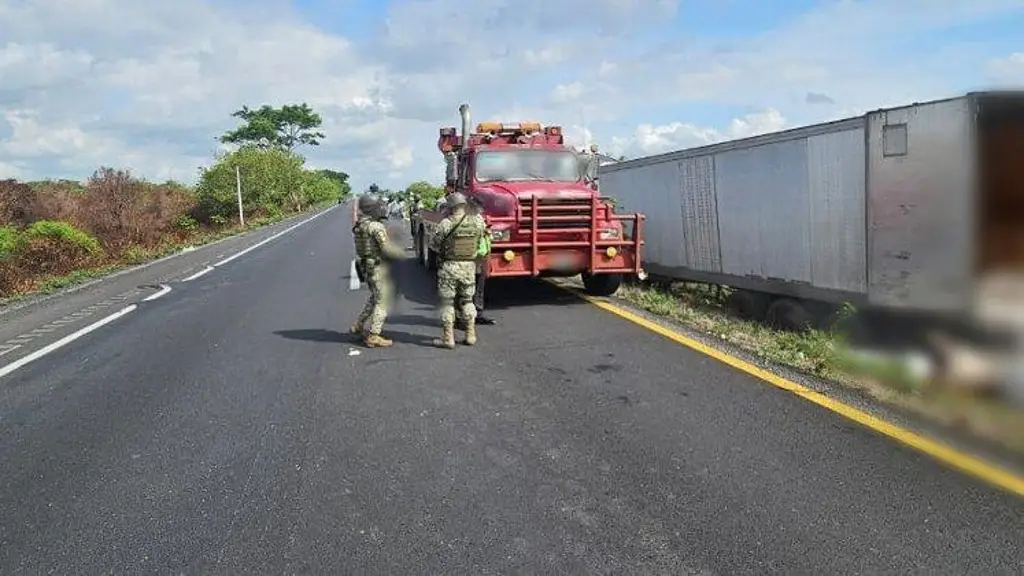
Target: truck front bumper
(508,259)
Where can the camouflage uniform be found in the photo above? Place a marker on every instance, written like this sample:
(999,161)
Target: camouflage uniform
(456,240)
(374,249)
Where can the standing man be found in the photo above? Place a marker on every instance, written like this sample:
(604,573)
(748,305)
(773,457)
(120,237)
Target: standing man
(374,249)
(589,163)
(482,255)
(457,241)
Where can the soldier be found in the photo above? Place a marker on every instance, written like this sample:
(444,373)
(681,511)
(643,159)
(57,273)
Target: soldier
(589,162)
(457,240)
(481,267)
(374,249)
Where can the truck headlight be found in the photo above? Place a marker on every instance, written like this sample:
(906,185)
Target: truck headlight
(609,234)
(500,235)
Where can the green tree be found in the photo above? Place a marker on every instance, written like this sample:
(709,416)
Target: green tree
(288,127)
(274,181)
(423,193)
(340,178)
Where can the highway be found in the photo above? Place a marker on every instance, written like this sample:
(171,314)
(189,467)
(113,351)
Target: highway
(231,426)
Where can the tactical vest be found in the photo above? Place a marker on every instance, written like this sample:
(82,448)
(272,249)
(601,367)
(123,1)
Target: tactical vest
(366,248)
(464,240)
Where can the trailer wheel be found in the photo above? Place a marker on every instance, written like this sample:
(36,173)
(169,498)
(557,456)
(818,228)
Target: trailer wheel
(859,328)
(749,305)
(788,315)
(601,284)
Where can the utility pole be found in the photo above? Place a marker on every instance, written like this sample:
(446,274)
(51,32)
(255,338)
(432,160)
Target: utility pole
(238,188)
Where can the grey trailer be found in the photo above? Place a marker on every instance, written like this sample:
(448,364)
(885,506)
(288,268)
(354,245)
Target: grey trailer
(906,209)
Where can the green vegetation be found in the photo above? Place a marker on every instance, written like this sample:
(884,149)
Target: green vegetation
(54,233)
(419,193)
(267,127)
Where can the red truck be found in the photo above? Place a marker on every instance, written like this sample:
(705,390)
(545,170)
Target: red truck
(546,219)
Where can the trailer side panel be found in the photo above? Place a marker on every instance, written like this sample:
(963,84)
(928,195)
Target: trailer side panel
(652,190)
(764,211)
(782,213)
(836,172)
(920,209)
(700,213)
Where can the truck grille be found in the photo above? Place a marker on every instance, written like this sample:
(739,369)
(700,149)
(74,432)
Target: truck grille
(558,207)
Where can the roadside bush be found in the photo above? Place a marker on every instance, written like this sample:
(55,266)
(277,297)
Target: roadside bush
(20,204)
(55,227)
(62,233)
(320,188)
(49,247)
(123,211)
(274,182)
(8,241)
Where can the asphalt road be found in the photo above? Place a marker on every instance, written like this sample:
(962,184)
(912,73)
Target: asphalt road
(231,426)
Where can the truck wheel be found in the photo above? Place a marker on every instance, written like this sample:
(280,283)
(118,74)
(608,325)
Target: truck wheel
(788,315)
(601,284)
(749,305)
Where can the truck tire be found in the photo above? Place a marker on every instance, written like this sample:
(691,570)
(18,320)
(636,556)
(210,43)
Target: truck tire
(788,315)
(749,305)
(601,284)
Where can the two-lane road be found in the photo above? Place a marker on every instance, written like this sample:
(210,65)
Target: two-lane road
(233,427)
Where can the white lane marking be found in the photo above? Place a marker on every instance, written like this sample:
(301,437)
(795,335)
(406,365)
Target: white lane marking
(19,363)
(164,289)
(6,349)
(353,277)
(274,237)
(198,274)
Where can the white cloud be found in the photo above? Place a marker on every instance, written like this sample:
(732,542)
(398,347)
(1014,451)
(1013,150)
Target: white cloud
(567,92)
(149,85)
(650,139)
(1008,70)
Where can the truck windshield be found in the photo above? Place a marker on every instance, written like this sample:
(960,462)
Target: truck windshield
(525,165)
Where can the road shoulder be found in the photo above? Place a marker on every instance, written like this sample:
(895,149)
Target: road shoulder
(980,458)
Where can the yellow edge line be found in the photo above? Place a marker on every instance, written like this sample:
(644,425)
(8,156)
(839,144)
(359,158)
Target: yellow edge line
(972,465)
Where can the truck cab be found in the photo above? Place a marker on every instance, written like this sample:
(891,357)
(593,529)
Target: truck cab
(546,218)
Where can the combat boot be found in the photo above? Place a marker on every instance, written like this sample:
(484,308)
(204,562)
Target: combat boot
(471,334)
(377,341)
(447,339)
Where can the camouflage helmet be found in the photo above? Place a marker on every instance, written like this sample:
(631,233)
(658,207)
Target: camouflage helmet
(455,200)
(369,204)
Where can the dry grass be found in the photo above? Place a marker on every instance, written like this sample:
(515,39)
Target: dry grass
(57,233)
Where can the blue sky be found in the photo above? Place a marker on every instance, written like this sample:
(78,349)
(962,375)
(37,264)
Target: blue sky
(148,86)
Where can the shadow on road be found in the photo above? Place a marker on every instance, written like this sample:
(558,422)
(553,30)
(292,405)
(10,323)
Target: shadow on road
(335,337)
(420,287)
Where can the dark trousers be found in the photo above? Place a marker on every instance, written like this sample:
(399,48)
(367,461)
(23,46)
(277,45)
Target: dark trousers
(478,298)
